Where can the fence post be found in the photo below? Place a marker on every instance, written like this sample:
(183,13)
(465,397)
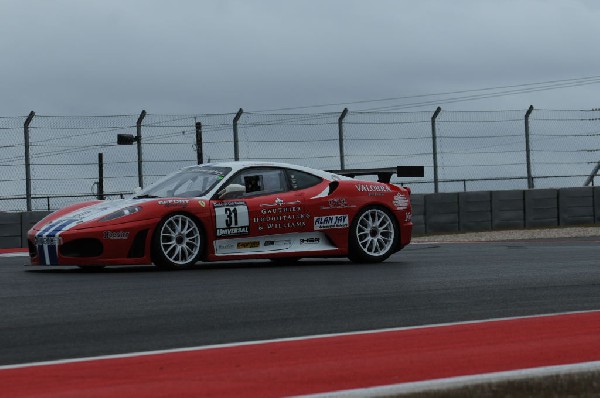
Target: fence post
(100,176)
(341,137)
(236,141)
(199,153)
(27,160)
(590,179)
(139,148)
(530,184)
(434,143)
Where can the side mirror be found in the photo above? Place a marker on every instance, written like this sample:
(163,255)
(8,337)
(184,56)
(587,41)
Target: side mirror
(232,190)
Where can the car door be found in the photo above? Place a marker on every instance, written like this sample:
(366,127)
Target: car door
(273,208)
(258,219)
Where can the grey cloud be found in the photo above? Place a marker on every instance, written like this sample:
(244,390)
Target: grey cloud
(70,57)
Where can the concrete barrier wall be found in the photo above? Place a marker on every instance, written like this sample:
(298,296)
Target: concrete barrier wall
(541,208)
(508,210)
(10,230)
(597,205)
(441,213)
(418,213)
(502,210)
(576,206)
(475,211)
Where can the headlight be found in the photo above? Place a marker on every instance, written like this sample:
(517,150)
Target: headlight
(121,213)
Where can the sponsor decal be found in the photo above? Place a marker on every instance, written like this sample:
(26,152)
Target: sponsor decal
(310,241)
(372,188)
(225,246)
(202,203)
(231,218)
(279,202)
(174,202)
(400,201)
(229,204)
(248,245)
(48,240)
(116,235)
(328,222)
(408,216)
(281,215)
(294,224)
(277,243)
(281,210)
(232,231)
(337,203)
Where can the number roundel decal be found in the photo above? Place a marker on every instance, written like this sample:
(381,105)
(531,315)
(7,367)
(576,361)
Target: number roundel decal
(231,218)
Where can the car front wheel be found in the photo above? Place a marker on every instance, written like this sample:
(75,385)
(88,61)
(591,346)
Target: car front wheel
(177,242)
(373,235)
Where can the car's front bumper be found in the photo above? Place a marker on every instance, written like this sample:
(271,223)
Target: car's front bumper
(113,244)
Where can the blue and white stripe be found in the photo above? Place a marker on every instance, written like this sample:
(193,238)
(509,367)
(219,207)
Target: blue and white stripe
(48,252)
(48,237)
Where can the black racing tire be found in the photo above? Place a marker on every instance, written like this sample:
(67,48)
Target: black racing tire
(177,242)
(373,236)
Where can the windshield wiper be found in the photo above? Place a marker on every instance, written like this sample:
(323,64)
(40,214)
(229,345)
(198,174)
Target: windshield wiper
(146,196)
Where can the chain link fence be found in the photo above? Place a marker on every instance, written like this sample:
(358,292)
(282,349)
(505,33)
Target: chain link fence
(565,146)
(481,150)
(12,165)
(307,140)
(475,150)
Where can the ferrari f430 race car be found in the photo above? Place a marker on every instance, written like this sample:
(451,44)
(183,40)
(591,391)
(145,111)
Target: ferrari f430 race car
(231,211)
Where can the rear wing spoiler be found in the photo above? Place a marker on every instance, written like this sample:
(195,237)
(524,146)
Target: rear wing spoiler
(384,174)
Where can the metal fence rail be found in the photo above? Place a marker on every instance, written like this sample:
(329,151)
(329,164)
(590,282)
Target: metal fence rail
(55,157)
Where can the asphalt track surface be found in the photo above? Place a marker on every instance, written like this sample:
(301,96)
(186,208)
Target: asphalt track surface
(58,313)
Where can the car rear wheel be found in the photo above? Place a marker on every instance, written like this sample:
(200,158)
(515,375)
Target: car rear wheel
(177,242)
(373,235)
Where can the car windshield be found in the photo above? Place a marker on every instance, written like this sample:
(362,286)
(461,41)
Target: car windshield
(186,183)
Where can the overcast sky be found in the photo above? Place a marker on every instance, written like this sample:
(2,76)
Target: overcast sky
(73,57)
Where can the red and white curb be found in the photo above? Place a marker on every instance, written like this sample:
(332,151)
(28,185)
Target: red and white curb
(367,363)
(14,252)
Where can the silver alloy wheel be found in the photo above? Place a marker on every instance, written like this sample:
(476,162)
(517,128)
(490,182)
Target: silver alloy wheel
(375,232)
(180,239)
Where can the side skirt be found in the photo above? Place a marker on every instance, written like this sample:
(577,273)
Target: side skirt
(281,243)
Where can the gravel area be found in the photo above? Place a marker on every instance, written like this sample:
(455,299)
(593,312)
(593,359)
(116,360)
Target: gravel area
(546,233)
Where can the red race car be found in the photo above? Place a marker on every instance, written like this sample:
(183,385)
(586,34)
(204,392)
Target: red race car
(231,211)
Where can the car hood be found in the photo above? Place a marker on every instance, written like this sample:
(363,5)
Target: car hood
(86,212)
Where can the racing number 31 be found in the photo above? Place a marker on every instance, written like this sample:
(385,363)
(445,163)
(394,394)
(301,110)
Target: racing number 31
(231,215)
(231,219)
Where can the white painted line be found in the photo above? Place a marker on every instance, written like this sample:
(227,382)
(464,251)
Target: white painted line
(282,340)
(460,381)
(15,254)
